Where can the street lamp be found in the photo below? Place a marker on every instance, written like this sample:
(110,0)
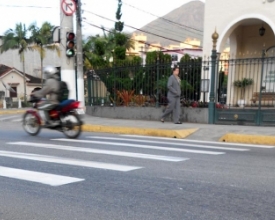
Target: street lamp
(262,31)
(211,105)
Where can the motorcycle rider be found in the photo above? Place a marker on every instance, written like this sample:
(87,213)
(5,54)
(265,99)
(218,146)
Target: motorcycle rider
(50,88)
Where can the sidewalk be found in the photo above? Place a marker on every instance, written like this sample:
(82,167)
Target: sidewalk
(191,131)
(12,111)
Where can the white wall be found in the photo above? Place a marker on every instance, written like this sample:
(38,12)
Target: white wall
(225,16)
(11,58)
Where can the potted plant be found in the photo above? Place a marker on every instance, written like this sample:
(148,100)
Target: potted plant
(242,84)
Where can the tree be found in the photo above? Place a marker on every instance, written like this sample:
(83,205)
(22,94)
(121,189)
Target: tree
(42,41)
(158,69)
(120,39)
(190,73)
(94,52)
(220,84)
(119,25)
(17,39)
(110,43)
(98,50)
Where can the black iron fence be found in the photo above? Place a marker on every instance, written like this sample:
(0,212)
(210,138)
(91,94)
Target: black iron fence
(247,87)
(244,89)
(138,85)
(246,82)
(239,83)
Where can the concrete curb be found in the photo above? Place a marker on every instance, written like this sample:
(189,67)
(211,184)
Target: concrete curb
(183,133)
(248,139)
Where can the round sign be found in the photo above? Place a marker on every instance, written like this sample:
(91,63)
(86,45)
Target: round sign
(68,7)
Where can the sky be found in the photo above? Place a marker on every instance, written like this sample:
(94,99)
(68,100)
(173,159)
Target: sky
(136,13)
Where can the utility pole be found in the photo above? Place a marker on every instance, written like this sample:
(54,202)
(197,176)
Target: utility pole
(79,64)
(67,36)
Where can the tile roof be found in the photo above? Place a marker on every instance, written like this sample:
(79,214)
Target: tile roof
(30,79)
(4,69)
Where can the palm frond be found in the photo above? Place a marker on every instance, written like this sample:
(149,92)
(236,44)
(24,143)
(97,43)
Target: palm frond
(53,47)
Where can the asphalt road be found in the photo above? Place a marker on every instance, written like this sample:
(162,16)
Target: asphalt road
(117,177)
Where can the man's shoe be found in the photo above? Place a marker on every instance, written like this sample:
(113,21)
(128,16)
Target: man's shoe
(178,122)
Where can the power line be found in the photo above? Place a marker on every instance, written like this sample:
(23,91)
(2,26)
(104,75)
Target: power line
(175,32)
(147,32)
(26,6)
(165,19)
(148,44)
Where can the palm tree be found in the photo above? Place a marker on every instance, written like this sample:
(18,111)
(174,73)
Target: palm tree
(86,49)
(17,39)
(130,43)
(98,49)
(110,43)
(41,39)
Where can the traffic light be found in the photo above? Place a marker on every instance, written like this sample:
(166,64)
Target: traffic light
(70,44)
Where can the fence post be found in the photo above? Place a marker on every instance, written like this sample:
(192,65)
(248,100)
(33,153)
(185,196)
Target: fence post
(260,94)
(4,103)
(19,103)
(114,73)
(89,88)
(157,97)
(264,52)
(211,105)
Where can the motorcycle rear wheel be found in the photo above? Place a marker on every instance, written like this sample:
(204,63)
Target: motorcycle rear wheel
(72,126)
(31,124)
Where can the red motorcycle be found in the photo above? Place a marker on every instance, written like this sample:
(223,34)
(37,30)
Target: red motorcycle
(67,114)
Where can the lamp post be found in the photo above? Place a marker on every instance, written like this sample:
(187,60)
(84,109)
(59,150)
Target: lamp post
(262,31)
(211,106)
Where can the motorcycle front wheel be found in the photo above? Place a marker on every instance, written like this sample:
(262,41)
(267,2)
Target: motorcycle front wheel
(71,126)
(31,124)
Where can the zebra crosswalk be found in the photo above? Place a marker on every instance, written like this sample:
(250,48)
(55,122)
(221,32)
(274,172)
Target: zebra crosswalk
(122,146)
(11,118)
(38,177)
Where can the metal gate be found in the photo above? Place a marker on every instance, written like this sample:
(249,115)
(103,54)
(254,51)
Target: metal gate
(245,90)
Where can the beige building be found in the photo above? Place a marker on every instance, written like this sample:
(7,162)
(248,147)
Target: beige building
(238,23)
(189,46)
(140,40)
(32,60)
(245,29)
(14,78)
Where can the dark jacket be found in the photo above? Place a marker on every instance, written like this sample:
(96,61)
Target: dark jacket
(173,86)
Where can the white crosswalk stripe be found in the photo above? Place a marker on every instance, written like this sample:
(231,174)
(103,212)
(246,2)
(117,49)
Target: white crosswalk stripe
(176,144)
(197,141)
(68,161)
(127,143)
(142,146)
(8,118)
(14,118)
(98,151)
(38,177)
(17,120)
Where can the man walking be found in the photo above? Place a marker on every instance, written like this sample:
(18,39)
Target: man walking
(173,96)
